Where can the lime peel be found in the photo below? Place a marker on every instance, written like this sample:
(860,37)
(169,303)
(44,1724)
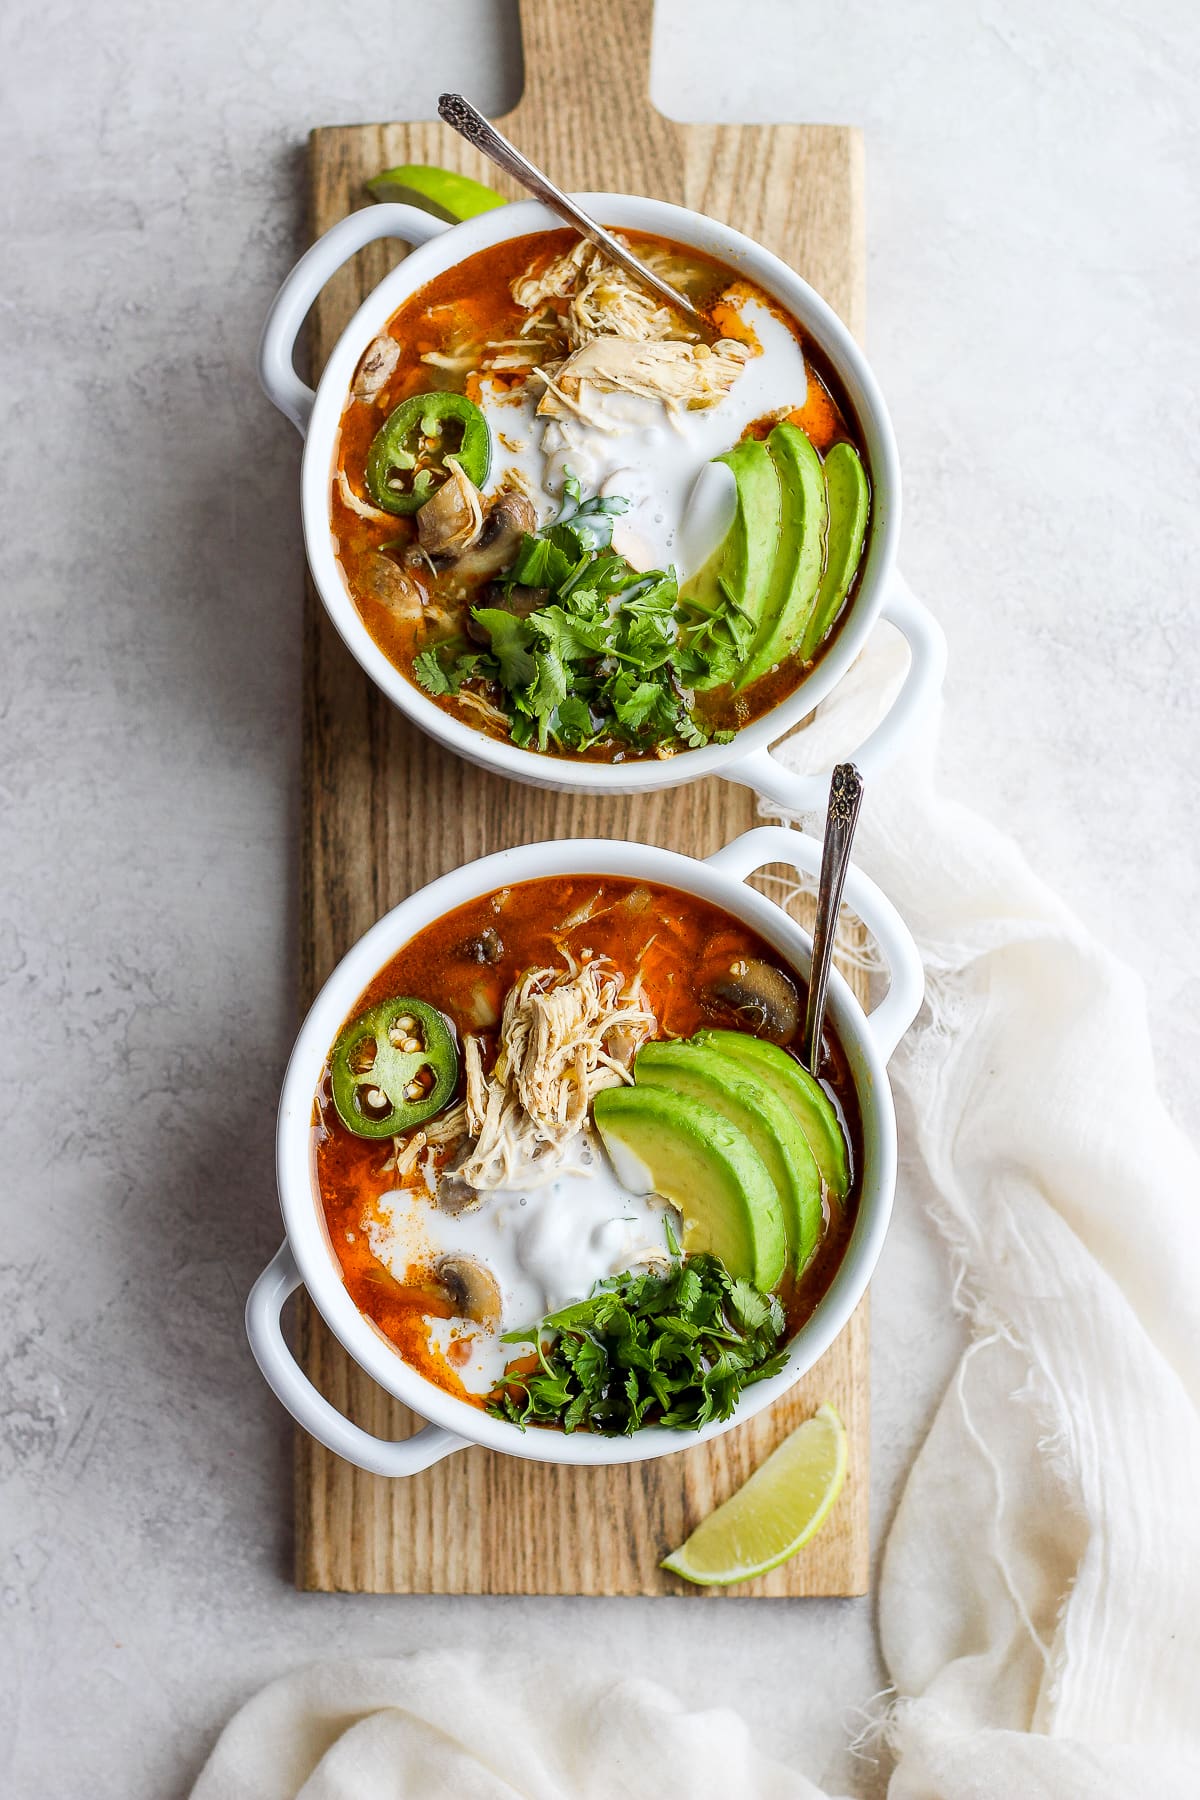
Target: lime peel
(774,1513)
(443,192)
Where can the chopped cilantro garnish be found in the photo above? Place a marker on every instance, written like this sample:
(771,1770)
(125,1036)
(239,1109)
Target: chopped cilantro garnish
(646,1348)
(609,654)
(427,668)
(517,667)
(444,668)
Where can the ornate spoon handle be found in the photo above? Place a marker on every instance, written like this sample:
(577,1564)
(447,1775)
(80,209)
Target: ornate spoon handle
(471,124)
(845,798)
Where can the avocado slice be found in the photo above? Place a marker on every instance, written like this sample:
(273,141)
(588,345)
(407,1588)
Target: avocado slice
(797,575)
(741,568)
(848,495)
(734,1089)
(696,1159)
(806,1097)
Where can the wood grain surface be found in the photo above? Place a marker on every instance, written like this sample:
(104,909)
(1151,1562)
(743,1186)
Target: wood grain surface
(385,810)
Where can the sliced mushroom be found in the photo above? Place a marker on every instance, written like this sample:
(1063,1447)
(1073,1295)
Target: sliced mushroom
(452,519)
(471,1289)
(763,996)
(375,369)
(454,1195)
(621,1043)
(510,517)
(391,585)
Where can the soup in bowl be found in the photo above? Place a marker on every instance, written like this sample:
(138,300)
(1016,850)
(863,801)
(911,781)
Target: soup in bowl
(577,538)
(584,526)
(551,1168)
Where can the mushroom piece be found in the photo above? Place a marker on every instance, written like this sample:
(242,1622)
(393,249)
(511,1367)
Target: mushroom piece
(391,585)
(375,369)
(454,1195)
(487,947)
(764,997)
(471,1289)
(452,519)
(510,517)
(519,601)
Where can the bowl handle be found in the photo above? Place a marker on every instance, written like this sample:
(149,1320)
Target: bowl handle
(284,1376)
(890,1020)
(922,681)
(289,309)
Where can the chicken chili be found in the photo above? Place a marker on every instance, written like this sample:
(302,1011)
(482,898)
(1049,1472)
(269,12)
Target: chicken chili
(551,1107)
(581,527)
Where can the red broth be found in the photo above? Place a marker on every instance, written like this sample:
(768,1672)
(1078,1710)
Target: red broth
(673,937)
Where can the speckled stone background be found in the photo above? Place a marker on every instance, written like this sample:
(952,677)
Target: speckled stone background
(1033,281)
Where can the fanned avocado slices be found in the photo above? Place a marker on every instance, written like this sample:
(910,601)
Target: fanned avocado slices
(808,1100)
(691,1155)
(740,570)
(798,562)
(781,574)
(849,500)
(733,1088)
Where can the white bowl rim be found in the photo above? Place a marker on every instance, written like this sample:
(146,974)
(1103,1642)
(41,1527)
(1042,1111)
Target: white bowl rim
(300,1201)
(631,212)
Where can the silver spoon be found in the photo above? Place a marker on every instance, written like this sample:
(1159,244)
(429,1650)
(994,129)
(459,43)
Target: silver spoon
(470,123)
(845,798)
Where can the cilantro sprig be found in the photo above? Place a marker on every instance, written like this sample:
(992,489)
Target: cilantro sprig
(646,1348)
(602,659)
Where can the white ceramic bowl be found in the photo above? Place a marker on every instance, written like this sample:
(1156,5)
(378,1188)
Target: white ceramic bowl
(306,1256)
(316,416)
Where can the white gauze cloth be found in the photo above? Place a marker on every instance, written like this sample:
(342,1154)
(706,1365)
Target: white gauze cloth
(1039,1600)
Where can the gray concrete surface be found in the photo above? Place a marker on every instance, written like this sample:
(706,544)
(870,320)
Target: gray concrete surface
(1033,231)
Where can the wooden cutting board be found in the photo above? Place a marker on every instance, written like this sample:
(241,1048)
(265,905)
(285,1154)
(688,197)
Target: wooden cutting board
(386,810)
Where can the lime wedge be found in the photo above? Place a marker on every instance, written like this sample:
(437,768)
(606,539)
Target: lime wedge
(772,1515)
(438,191)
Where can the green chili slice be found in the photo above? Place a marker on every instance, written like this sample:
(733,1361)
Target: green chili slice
(406,463)
(393,1067)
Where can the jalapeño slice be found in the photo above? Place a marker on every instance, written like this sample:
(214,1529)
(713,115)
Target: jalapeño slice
(406,463)
(393,1067)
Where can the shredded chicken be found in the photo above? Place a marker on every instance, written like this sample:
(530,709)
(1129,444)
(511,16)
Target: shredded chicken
(564,1035)
(456,362)
(517,481)
(602,301)
(681,376)
(506,355)
(363,508)
(405,1155)
(590,325)
(479,703)
(557,279)
(444,1129)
